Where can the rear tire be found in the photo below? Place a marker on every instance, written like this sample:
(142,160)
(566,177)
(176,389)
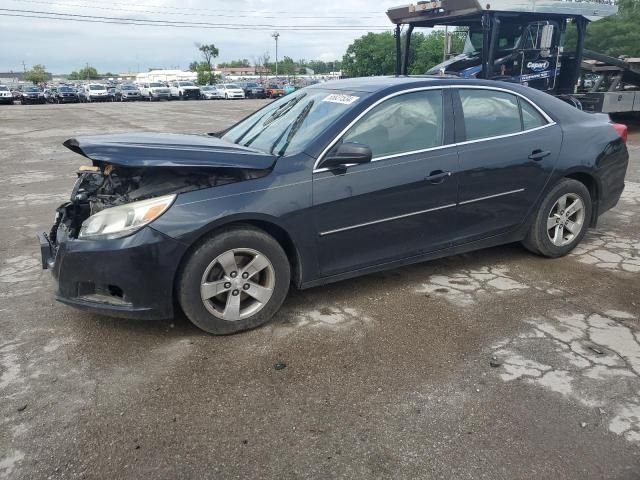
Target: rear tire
(562,220)
(218,281)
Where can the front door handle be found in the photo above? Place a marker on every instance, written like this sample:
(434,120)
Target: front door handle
(538,154)
(437,176)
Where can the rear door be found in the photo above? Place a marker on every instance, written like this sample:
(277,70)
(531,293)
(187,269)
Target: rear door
(403,202)
(508,148)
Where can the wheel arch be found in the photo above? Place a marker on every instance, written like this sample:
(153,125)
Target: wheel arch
(268,225)
(589,181)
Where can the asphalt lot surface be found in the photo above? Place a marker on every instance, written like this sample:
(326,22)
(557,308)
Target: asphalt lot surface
(387,376)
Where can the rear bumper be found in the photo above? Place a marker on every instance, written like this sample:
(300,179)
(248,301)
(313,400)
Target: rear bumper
(610,174)
(130,277)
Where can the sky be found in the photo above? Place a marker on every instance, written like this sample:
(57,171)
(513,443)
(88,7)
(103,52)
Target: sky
(63,46)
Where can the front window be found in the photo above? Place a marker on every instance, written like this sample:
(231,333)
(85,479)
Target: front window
(231,85)
(65,90)
(406,123)
(127,87)
(3,88)
(156,85)
(288,125)
(187,84)
(96,87)
(32,89)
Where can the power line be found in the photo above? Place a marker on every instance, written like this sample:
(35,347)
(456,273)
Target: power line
(181,12)
(175,24)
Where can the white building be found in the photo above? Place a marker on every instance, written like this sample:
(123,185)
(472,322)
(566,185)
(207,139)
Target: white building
(166,76)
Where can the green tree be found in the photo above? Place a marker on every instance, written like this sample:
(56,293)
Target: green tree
(209,53)
(193,66)
(37,74)
(374,53)
(205,76)
(615,35)
(371,54)
(86,73)
(235,64)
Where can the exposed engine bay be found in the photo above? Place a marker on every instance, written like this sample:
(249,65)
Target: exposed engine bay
(105,186)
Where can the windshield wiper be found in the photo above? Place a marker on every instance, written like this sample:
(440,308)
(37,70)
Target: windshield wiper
(297,123)
(280,112)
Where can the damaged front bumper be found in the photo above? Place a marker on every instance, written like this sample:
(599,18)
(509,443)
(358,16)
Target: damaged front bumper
(130,277)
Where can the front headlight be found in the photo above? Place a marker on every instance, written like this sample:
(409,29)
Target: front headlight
(124,220)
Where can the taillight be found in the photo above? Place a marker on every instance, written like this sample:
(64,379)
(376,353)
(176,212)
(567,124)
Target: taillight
(622,131)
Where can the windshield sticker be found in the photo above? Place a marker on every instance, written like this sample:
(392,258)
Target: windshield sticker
(337,98)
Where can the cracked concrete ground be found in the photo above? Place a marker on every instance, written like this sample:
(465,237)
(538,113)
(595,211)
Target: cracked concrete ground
(495,364)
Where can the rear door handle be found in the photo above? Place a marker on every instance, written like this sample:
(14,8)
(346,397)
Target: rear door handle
(539,154)
(437,176)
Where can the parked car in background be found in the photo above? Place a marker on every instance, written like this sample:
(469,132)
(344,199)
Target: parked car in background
(252,90)
(274,91)
(210,92)
(6,97)
(184,90)
(230,91)
(94,92)
(127,92)
(111,90)
(288,88)
(66,94)
(31,94)
(50,94)
(292,194)
(154,91)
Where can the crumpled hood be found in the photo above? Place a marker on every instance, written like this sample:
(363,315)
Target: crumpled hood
(168,150)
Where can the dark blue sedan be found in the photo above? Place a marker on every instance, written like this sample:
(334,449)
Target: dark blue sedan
(333,181)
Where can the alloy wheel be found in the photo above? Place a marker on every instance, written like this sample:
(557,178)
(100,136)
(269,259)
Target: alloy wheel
(237,284)
(565,220)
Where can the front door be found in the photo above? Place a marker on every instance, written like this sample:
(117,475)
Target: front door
(403,202)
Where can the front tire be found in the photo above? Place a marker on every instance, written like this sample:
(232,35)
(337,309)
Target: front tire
(234,280)
(561,221)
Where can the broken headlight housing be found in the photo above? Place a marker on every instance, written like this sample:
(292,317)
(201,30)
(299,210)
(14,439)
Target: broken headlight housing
(117,222)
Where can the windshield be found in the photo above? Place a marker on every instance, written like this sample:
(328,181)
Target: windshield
(508,38)
(127,87)
(96,87)
(3,88)
(156,85)
(252,85)
(230,85)
(65,90)
(286,126)
(32,89)
(186,84)
(206,88)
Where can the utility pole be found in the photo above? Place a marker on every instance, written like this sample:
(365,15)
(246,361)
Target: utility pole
(24,66)
(445,47)
(276,35)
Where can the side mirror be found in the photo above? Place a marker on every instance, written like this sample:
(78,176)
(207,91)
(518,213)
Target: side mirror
(546,39)
(347,153)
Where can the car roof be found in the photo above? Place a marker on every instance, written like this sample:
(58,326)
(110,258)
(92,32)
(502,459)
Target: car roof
(378,84)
